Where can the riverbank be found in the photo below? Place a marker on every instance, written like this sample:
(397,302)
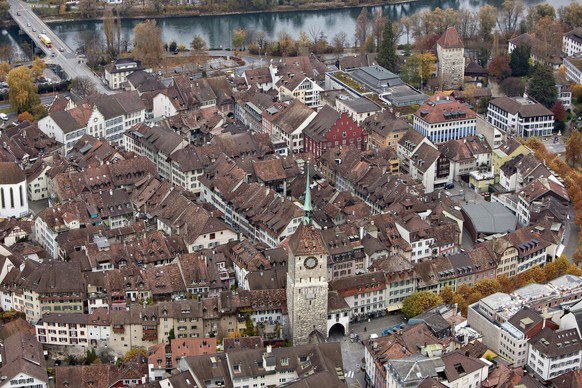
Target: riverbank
(172,12)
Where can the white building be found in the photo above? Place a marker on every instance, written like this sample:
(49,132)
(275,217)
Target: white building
(116,72)
(573,67)
(293,84)
(430,166)
(572,42)
(63,329)
(359,108)
(506,326)
(288,126)
(13,198)
(442,118)
(37,181)
(365,294)
(520,116)
(552,353)
(108,117)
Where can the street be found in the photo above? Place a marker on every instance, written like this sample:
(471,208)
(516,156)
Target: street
(353,351)
(59,53)
(12,116)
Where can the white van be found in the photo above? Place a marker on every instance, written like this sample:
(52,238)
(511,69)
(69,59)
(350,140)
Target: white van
(3,116)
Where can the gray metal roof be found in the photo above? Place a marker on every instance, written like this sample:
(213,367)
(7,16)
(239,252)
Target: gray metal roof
(490,217)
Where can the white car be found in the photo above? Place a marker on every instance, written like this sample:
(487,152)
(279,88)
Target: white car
(3,116)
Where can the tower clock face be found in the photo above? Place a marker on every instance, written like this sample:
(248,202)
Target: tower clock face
(310,262)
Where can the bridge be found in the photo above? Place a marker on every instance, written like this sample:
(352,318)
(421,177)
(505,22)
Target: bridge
(59,53)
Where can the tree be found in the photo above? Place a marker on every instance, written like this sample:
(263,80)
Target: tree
(303,43)
(37,68)
(147,46)
(87,8)
(83,86)
(483,56)
(198,43)
(505,284)
(512,86)
(260,39)
(6,52)
(576,91)
(487,287)
(509,16)
(339,42)
(378,26)
(550,33)
(557,268)
(519,61)
(239,37)
(362,28)
(387,50)
(109,30)
(418,68)
(133,353)
(419,302)
(487,17)
(171,335)
(541,86)
(447,294)
(499,67)
(4,70)
(571,15)
(91,357)
(573,148)
(25,116)
(559,111)
(23,92)
(173,46)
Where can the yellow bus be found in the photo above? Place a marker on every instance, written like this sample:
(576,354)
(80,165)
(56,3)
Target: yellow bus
(45,39)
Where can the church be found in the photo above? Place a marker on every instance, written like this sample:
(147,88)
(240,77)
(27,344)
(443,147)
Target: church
(314,311)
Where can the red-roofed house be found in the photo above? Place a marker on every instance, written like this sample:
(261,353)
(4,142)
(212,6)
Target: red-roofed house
(442,118)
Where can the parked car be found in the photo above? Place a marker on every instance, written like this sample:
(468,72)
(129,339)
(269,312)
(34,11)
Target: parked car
(449,186)
(3,116)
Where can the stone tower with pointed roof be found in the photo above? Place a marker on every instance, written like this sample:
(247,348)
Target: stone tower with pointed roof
(307,279)
(451,60)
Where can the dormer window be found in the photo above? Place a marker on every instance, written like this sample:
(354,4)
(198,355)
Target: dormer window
(236,368)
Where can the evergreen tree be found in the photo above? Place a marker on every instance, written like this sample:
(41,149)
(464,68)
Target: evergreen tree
(387,50)
(519,62)
(542,86)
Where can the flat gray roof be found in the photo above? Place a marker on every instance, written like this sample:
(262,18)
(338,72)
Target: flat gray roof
(490,217)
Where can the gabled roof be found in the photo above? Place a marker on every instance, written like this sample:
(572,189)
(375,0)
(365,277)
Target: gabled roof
(525,107)
(293,116)
(307,241)
(450,39)
(11,174)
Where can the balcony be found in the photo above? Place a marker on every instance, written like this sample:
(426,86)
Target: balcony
(118,329)
(150,336)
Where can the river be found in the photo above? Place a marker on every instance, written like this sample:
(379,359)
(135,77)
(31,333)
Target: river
(216,30)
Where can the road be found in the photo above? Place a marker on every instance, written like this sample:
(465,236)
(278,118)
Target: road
(12,116)
(353,352)
(59,53)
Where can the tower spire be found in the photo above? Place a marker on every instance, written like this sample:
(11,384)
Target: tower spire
(307,207)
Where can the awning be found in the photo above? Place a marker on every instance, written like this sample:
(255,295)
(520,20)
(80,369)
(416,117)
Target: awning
(394,307)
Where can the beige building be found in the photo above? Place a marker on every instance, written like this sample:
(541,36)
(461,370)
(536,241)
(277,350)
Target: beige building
(451,60)
(53,287)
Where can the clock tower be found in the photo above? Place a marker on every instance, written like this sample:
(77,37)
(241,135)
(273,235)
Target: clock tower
(307,279)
